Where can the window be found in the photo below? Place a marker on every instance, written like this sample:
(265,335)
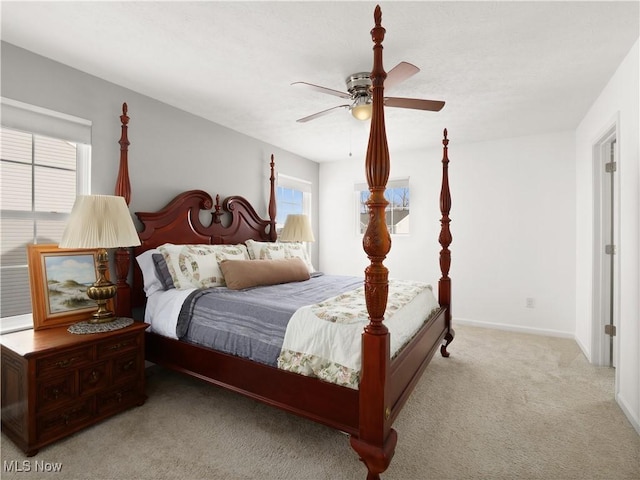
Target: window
(396,213)
(289,201)
(41,172)
(293,196)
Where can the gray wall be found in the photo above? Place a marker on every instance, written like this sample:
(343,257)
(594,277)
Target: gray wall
(171,150)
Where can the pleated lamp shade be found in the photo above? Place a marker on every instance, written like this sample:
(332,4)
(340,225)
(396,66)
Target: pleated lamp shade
(99,221)
(297,228)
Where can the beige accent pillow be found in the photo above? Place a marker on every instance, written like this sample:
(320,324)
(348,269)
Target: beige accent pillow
(240,274)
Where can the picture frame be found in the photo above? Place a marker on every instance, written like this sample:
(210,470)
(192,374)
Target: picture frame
(59,278)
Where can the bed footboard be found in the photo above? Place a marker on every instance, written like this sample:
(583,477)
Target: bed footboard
(322,402)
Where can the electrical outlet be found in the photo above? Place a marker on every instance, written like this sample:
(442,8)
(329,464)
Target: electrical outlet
(530,302)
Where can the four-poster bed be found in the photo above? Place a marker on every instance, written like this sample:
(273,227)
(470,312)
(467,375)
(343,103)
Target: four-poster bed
(367,412)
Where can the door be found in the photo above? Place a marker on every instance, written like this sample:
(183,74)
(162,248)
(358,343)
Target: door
(610,250)
(606,268)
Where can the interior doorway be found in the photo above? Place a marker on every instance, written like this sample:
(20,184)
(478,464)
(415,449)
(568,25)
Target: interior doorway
(606,172)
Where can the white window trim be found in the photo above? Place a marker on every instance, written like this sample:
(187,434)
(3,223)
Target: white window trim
(305,186)
(363,186)
(16,323)
(42,121)
(287,181)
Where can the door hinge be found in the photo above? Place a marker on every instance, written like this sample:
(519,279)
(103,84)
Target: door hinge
(610,330)
(610,167)
(610,249)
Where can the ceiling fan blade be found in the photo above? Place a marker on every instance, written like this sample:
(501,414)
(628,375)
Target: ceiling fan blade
(400,73)
(320,114)
(415,103)
(320,89)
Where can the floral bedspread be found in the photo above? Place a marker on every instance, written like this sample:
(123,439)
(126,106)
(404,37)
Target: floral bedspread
(324,340)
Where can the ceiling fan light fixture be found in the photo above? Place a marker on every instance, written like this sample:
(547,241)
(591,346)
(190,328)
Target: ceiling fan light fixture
(360,94)
(362,107)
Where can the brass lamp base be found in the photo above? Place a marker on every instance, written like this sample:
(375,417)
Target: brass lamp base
(103,316)
(102,291)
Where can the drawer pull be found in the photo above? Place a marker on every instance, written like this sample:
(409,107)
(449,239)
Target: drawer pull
(119,397)
(65,363)
(118,346)
(67,417)
(94,377)
(128,365)
(56,393)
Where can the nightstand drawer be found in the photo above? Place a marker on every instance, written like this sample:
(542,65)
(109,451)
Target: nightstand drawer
(126,367)
(55,391)
(64,361)
(118,345)
(60,421)
(118,399)
(94,377)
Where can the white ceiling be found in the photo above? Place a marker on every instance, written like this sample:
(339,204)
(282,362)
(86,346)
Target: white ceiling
(505,69)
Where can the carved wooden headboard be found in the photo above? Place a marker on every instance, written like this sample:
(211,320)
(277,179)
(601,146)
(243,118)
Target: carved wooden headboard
(233,221)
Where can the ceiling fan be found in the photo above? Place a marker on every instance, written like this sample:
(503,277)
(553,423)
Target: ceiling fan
(359,94)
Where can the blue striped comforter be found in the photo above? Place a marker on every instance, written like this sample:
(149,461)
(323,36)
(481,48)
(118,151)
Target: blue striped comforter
(251,323)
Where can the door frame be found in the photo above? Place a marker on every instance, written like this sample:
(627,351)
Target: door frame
(601,343)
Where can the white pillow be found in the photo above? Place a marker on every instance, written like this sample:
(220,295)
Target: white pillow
(197,266)
(298,250)
(277,251)
(151,282)
(265,250)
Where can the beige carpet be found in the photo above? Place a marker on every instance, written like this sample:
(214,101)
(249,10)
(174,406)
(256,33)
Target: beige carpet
(503,406)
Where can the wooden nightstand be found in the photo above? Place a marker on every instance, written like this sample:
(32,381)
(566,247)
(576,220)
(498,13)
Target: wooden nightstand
(55,383)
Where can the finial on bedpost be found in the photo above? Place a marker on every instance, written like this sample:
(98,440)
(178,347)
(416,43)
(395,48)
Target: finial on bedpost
(217,213)
(273,235)
(122,255)
(377,16)
(445,239)
(378,75)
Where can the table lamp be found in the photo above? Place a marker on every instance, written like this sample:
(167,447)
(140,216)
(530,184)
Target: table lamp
(297,228)
(100,221)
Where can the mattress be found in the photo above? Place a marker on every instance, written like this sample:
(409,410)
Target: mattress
(312,327)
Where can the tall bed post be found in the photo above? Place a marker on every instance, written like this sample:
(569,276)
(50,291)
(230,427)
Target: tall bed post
(445,238)
(273,235)
(122,255)
(123,185)
(376,440)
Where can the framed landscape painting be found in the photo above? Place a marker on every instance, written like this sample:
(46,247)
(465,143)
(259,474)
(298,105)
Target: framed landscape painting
(59,278)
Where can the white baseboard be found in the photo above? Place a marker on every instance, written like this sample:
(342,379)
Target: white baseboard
(513,328)
(585,351)
(624,406)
